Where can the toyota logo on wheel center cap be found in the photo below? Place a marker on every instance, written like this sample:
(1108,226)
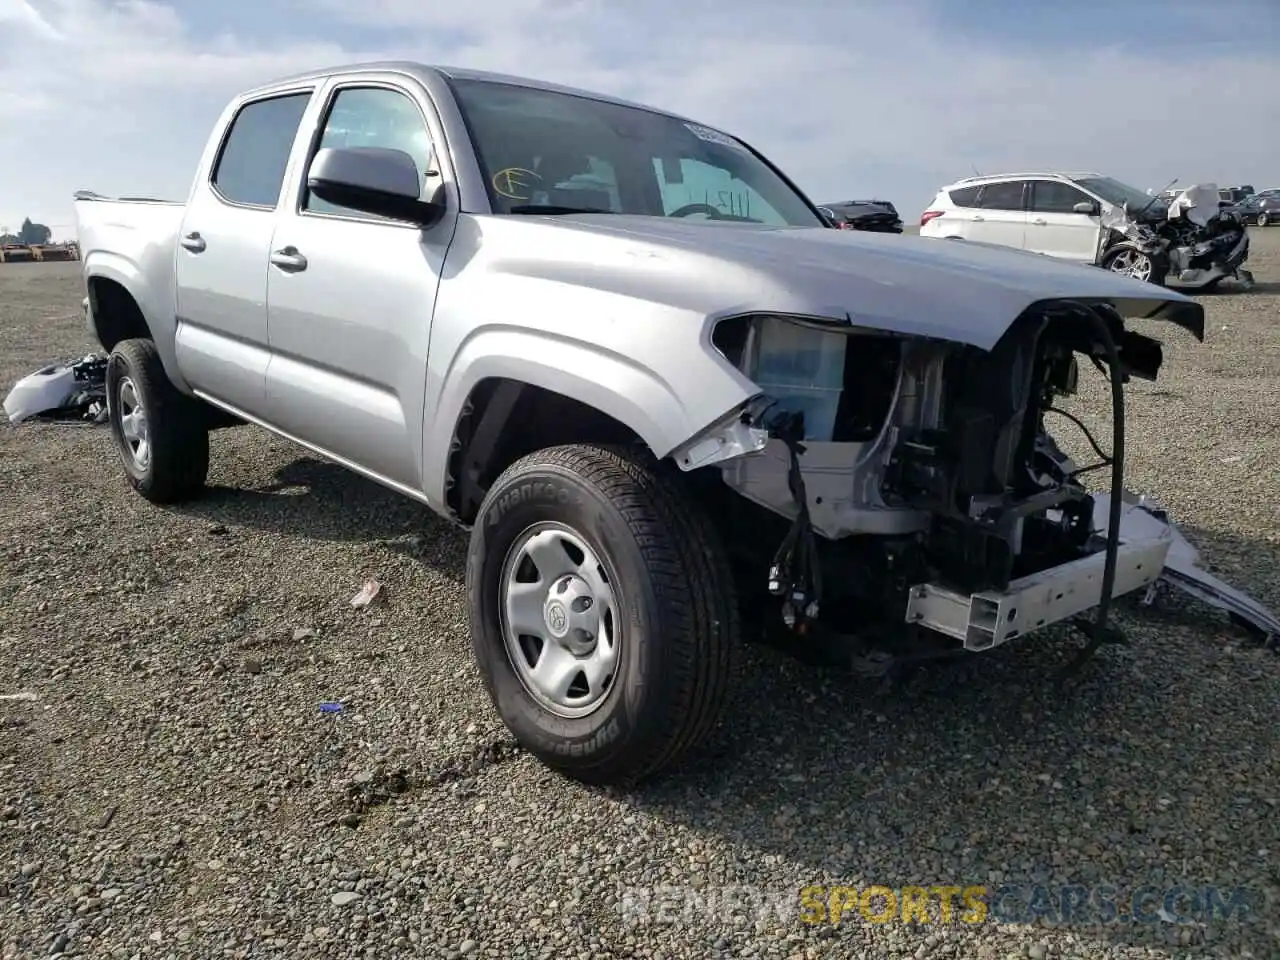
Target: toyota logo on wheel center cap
(557,618)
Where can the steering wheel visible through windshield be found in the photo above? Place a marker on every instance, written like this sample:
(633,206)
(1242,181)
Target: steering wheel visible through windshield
(543,151)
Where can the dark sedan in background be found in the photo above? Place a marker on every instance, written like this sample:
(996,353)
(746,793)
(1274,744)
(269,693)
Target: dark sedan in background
(1262,210)
(878,216)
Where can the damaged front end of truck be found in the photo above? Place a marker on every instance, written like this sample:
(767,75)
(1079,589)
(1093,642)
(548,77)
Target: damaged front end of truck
(913,482)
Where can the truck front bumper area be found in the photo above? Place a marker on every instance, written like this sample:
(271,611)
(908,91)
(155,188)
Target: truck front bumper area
(982,621)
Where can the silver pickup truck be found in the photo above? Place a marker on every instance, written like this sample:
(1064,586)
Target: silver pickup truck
(626,352)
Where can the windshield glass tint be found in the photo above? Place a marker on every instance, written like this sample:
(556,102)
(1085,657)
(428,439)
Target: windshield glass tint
(1113,191)
(545,148)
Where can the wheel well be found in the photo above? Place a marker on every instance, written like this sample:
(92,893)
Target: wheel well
(505,419)
(116,315)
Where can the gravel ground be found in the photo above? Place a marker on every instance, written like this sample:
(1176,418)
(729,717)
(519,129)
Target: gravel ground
(169,786)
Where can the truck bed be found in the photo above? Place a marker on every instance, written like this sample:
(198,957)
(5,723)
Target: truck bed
(134,242)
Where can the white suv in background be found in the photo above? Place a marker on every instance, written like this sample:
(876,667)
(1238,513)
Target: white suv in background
(1059,214)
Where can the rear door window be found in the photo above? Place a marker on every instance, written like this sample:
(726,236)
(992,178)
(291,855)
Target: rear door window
(250,167)
(1006,195)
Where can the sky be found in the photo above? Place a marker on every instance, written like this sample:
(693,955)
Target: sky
(889,99)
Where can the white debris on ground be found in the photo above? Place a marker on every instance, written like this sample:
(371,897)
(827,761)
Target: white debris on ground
(70,390)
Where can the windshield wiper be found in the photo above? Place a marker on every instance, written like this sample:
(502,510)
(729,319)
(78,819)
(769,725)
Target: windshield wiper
(553,209)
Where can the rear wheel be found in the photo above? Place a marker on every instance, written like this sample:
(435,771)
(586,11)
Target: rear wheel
(160,432)
(603,613)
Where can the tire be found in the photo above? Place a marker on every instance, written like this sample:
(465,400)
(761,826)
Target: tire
(1158,272)
(672,627)
(173,432)
(1263,219)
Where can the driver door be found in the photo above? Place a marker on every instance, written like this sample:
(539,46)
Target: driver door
(1056,228)
(351,295)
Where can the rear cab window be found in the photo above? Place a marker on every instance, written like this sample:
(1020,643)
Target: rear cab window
(254,156)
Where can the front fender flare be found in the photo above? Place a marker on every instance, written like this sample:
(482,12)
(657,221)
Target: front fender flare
(616,385)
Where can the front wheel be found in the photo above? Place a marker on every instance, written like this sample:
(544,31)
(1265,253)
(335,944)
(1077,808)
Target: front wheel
(1263,219)
(1132,262)
(603,614)
(159,431)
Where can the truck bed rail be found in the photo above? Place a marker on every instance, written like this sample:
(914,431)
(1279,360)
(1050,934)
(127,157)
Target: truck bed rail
(89,195)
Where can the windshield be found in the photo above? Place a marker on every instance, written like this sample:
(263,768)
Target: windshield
(562,152)
(1113,191)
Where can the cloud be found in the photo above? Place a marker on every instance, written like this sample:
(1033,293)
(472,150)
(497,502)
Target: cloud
(869,98)
(19,14)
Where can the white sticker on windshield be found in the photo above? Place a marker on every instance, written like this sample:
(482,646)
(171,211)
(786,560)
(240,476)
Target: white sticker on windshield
(713,136)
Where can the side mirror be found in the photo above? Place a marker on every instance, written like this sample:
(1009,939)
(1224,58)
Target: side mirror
(1087,207)
(375,180)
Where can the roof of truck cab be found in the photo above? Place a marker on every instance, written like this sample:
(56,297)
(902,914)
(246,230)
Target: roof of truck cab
(424,71)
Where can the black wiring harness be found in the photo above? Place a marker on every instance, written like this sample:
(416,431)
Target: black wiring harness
(795,573)
(1099,631)
(1104,459)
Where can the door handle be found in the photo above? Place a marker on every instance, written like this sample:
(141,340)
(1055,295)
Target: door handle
(289,259)
(193,242)
(1040,221)
(977,218)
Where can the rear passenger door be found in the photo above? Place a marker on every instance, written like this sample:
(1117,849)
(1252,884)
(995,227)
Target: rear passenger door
(223,246)
(1000,215)
(1055,228)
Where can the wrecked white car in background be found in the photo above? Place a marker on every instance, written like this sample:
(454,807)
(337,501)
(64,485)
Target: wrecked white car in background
(1092,219)
(626,353)
(1189,238)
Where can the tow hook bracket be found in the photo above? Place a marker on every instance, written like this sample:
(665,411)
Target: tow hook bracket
(735,436)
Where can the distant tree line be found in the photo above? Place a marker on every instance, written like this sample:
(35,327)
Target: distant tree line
(32,234)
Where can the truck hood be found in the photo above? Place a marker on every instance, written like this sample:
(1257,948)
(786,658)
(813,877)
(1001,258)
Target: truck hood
(918,286)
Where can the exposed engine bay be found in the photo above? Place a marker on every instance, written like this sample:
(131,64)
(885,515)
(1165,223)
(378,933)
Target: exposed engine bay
(919,478)
(1190,240)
